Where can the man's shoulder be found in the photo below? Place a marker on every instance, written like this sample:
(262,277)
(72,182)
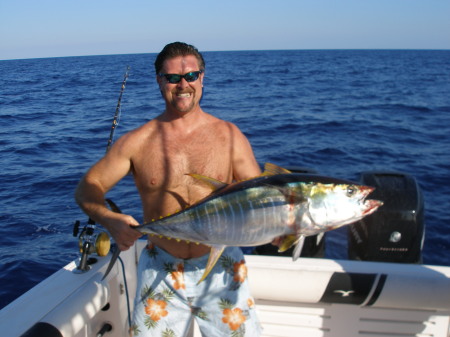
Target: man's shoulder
(135,137)
(143,130)
(220,123)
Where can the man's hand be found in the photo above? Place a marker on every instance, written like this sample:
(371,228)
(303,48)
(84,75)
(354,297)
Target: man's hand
(278,241)
(120,226)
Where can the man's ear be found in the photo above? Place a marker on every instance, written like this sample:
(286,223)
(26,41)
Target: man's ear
(159,80)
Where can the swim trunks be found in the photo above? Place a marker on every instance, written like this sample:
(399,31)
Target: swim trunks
(168,297)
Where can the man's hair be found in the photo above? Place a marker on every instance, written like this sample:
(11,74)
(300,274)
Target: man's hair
(178,49)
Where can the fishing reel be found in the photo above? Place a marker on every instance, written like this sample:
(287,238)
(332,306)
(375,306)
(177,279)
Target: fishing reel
(90,243)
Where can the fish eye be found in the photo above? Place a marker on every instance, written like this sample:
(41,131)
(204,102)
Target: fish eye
(351,190)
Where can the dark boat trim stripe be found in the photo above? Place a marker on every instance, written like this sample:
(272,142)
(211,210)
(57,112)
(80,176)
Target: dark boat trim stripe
(378,290)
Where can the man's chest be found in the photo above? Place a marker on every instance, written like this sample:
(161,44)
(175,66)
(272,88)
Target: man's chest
(168,168)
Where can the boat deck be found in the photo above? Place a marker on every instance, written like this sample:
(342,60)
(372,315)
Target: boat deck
(309,297)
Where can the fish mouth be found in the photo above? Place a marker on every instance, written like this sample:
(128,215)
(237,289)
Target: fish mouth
(366,190)
(371,206)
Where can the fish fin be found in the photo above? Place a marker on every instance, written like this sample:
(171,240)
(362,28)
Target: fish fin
(298,248)
(287,242)
(272,169)
(214,184)
(179,199)
(214,255)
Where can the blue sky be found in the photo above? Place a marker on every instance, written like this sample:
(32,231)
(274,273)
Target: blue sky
(50,28)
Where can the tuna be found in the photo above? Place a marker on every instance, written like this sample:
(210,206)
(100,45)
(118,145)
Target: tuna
(256,211)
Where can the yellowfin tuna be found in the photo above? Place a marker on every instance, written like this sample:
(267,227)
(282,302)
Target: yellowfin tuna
(254,212)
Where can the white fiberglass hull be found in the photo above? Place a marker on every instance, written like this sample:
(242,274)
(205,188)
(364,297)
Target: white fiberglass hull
(309,297)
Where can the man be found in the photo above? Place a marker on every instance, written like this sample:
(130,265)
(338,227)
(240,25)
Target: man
(183,139)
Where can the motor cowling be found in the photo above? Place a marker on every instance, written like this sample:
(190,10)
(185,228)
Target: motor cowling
(395,232)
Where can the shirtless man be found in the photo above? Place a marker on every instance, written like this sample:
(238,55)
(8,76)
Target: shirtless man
(183,139)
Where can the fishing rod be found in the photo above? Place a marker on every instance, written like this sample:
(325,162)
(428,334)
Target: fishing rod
(100,243)
(116,118)
(88,242)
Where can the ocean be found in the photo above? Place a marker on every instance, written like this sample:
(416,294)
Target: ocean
(339,112)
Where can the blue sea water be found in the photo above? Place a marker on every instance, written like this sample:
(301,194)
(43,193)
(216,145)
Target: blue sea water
(339,112)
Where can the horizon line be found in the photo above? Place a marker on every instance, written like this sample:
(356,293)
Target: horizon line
(235,50)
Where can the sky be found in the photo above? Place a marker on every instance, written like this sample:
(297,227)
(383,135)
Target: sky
(55,28)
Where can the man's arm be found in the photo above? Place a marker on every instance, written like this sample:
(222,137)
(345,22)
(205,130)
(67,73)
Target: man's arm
(91,190)
(245,166)
(244,163)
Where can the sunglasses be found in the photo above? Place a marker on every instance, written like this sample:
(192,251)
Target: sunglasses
(175,78)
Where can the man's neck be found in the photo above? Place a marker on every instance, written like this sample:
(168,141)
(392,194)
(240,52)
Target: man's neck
(185,122)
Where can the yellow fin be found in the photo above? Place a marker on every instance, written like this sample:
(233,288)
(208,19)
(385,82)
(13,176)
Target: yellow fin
(287,242)
(272,169)
(214,255)
(210,182)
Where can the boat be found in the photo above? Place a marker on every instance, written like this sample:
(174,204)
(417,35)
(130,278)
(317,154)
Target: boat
(384,290)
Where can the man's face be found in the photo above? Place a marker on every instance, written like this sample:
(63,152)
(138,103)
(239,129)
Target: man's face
(183,96)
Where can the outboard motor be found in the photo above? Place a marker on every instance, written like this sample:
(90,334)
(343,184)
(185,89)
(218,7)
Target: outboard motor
(395,232)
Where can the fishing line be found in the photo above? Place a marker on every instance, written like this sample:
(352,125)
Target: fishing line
(117,114)
(126,291)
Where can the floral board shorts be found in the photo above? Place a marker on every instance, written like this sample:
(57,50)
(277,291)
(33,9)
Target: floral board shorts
(168,297)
